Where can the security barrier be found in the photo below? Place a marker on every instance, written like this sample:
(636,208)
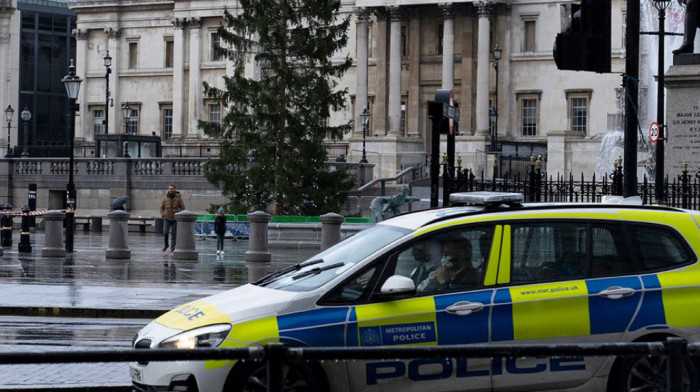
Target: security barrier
(276,354)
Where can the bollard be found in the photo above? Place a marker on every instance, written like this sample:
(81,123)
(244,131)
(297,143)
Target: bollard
(185,248)
(25,245)
(6,230)
(330,229)
(53,234)
(118,235)
(257,239)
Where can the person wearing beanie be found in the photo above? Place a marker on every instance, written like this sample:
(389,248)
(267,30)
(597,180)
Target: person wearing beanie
(170,205)
(220,230)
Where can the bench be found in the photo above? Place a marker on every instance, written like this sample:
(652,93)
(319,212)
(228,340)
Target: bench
(87,221)
(142,222)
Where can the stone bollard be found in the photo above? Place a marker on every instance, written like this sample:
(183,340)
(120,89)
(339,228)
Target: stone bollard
(53,234)
(330,229)
(118,235)
(185,247)
(257,239)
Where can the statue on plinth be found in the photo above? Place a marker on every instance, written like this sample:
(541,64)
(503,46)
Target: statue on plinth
(691,25)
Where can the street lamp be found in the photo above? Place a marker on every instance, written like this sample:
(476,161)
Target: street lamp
(72,84)
(660,5)
(26,116)
(8,116)
(365,125)
(126,112)
(108,63)
(493,113)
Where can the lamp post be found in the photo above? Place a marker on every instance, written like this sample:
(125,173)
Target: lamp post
(659,196)
(8,116)
(72,84)
(493,113)
(365,125)
(126,112)
(108,63)
(26,116)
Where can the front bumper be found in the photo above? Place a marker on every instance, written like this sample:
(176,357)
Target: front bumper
(181,383)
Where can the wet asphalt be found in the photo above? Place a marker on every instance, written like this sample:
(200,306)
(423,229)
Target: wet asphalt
(86,301)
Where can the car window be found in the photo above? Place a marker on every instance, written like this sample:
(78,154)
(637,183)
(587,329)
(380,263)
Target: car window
(609,254)
(449,261)
(542,252)
(657,248)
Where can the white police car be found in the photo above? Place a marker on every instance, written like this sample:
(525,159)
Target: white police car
(495,272)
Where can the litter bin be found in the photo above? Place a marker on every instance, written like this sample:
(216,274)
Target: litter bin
(96,223)
(159,225)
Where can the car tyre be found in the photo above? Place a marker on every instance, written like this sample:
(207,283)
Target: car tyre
(252,377)
(648,373)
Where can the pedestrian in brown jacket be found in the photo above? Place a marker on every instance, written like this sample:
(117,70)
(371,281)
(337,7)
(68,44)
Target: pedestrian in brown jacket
(170,205)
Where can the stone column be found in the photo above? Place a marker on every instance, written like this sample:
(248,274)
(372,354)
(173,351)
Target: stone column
(5,77)
(53,234)
(362,68)
(118,235)
(185,249)
(257,238)
(395,71)
(195,78)
(178,76)
(116,119)
(330,229)
(81,67)
(448,46)
(482,68)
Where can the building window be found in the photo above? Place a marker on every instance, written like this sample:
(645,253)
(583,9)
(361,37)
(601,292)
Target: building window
(440,36)
(578,102)
(215,43)
(169,50)
(167,123)
(133,55)
(404,41)
(529,36)
(214,110)
(529,113)
(98,121)
(403,117)
(132,125)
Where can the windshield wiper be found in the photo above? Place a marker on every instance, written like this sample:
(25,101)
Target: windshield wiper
(317,270)
(283,271)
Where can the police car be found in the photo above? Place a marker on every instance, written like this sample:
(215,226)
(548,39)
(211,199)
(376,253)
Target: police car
(491,271)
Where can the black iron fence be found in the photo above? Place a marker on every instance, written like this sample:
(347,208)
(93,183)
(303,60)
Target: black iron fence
(276,354)
(681,191)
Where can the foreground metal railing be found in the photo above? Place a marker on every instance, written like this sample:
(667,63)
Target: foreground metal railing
(276,354)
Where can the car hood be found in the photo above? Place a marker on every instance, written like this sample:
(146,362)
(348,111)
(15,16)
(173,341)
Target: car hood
(228,307)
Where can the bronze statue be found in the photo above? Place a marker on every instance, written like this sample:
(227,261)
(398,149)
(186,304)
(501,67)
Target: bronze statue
(384,207)
(692,23)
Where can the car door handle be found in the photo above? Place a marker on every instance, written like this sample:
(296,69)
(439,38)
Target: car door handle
(464,308)
(617,292)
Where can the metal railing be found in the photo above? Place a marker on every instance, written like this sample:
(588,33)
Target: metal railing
(275,354)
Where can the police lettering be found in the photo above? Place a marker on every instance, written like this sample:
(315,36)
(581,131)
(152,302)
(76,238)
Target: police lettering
(190,312)
(437,369)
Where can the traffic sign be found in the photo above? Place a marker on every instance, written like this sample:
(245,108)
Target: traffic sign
(654,132)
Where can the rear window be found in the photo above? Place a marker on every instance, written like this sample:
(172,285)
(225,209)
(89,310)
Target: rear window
(658,248)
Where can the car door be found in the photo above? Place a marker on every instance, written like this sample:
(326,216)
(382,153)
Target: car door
(444,314)
(555,289)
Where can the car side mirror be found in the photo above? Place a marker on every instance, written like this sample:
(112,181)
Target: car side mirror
(397,286)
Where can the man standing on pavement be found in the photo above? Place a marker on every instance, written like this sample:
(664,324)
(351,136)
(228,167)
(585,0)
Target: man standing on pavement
(170,205)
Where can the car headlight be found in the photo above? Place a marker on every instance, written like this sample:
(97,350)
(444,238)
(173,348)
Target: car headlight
(209,336)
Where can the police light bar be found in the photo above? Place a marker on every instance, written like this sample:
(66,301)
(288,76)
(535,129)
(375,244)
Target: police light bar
(486,198)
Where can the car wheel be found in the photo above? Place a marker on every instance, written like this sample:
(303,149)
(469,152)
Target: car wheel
(648,373)
(252,377)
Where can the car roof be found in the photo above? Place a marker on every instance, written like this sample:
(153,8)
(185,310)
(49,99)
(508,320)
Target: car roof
(416,220)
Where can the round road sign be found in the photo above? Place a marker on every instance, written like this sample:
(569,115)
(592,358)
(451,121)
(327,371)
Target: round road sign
(654,132)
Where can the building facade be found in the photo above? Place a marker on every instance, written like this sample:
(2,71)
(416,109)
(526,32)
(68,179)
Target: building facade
(403,52)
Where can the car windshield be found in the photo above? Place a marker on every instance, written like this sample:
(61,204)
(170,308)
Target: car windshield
(320,269)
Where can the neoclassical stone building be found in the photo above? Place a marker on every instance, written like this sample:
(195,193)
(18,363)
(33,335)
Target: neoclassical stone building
(403,52)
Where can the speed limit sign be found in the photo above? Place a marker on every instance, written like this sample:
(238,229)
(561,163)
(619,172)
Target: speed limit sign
(654,132)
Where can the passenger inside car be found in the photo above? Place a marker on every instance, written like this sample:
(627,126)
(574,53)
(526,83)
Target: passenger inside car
(456,272)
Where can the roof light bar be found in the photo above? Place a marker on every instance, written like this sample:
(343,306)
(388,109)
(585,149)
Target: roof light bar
(485,198)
